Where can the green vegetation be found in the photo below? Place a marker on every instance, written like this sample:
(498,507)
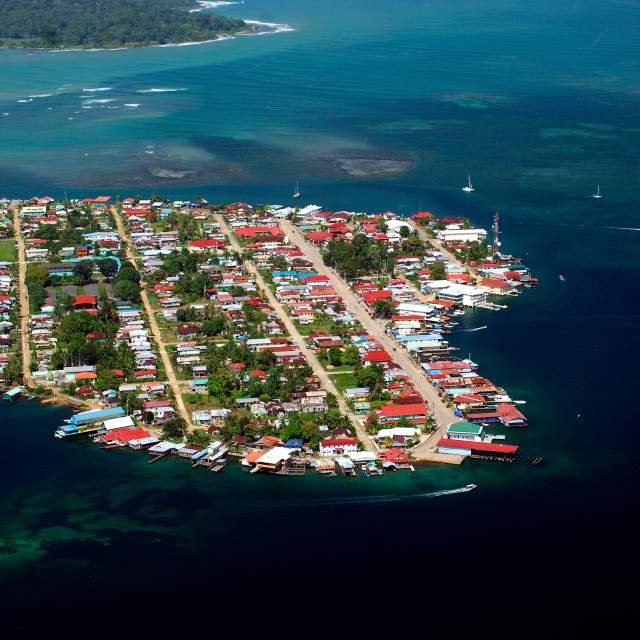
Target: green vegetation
(126,285)
(84,339)
(361,256)
(37,279)
(474,251)
(438,270)
(104,24)
(344,381)
(8,250)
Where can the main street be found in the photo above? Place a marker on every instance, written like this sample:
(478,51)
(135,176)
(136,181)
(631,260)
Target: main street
(313,361)
(441,412)
(153,324)
(24,298)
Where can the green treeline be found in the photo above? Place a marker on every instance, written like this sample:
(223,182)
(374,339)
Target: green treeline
(107,23)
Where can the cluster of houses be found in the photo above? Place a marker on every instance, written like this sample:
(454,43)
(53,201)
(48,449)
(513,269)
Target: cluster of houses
(6,220)
(7,315)
(44,222)
(420,326)
(423,312)
(143,380)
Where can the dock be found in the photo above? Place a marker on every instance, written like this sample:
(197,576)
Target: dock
(13,393)
(444,458)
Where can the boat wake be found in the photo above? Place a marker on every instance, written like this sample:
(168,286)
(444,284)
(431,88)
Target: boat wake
(624,228)
(471,330)
(330,502)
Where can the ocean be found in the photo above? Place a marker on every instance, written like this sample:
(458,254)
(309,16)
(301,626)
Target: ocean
(373,106)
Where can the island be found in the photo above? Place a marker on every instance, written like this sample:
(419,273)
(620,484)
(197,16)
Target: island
(106,24)
(282,338)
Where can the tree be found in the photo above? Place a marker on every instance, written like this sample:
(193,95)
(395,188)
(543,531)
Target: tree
(213,327)
(335,356)
(438,271)
(371,375)
(383,308)
(126,290)
(108,267)
(13,370)
(174,428)
(351,355)
(198,438)
(221,383)
(83,271)
(37,273)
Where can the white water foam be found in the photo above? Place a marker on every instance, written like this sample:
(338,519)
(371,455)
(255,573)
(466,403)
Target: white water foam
(98,101)
(97,89)
(133,105)
(159,90)
(273,27)
(206,4)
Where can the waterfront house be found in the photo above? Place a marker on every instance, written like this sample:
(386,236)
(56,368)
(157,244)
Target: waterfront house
(338,446)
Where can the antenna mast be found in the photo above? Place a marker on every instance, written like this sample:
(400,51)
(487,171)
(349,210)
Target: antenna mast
(496,233)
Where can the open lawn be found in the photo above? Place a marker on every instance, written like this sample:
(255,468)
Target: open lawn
(8,250)
(344,381)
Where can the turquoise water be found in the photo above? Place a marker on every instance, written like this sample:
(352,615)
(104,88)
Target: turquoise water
(373,106)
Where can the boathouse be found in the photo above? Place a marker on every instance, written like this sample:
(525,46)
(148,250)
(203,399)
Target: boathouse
(12,393)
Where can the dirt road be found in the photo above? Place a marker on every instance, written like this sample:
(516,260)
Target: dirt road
(324,378)
(24,299)
(155,330)
(442,414)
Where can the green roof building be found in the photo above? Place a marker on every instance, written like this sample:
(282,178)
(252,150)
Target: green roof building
(465,431)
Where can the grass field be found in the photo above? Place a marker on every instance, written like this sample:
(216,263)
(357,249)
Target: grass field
(344,381)
(8,250)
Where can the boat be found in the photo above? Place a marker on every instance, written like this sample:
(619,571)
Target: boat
(562,278)
(296,193)
(469,188)
(469,487)
(597,194)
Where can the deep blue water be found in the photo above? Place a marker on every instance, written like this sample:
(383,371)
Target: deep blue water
(539,102)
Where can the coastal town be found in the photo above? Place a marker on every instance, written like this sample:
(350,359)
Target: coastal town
(285,339)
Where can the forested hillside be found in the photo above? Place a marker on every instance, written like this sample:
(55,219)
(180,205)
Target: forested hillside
(107,23)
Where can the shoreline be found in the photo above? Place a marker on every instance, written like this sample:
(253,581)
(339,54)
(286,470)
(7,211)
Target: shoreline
(273,28)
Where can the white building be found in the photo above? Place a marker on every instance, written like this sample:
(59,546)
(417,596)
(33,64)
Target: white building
(461,235)
(464,294)
(338,446)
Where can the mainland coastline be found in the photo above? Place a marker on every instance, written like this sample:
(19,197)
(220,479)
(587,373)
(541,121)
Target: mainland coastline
(178,25)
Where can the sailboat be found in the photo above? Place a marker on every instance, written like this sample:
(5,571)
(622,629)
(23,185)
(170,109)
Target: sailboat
(469,188)
(296,193)
(597,193)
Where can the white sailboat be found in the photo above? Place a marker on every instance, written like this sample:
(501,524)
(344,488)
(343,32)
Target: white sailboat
(296,193)
(469,188)
(597,193)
